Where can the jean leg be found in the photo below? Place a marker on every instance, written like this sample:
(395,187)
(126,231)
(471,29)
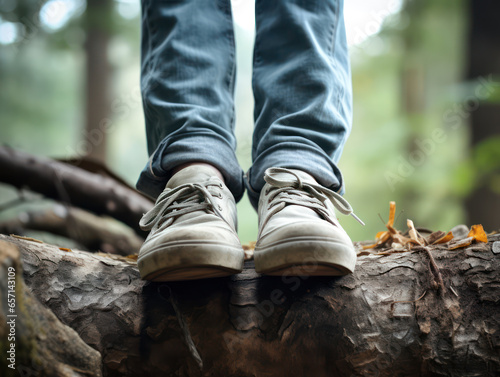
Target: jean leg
(302,90)
(187,83)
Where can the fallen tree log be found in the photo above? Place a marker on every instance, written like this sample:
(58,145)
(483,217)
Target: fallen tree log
(73,186)
(387,319)
(33,342)
(90,231)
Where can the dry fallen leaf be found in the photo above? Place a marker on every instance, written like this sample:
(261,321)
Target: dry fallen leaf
(434,237)
(397,241)
(249,246)
(478,233)
(446,238)
(464,242)
(413,233)
(383,237)
(248,249)
(392,213)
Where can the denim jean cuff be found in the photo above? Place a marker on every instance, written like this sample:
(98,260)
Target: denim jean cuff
(293,156)
(202,148)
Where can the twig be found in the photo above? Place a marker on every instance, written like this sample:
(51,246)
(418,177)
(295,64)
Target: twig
(454,292)
(185,330)
(437,272)
(400,213)
(411,301)
(381,219)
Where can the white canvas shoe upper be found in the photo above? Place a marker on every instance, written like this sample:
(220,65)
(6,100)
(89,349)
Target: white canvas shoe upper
(192,225)
(297,218)
(191,193)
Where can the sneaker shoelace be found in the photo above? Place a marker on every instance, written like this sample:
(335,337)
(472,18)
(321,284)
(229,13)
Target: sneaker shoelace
(183,199)
(297,192)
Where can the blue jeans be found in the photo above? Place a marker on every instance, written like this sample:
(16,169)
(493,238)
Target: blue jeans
(301,84)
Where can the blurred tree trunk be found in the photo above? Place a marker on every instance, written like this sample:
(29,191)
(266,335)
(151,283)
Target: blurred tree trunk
(98,20)
(413,86)
(483,204)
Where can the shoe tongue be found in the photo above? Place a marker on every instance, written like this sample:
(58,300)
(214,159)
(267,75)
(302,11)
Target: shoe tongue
(191,174)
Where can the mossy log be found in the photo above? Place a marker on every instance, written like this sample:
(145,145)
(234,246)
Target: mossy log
(390,318)
(33,342)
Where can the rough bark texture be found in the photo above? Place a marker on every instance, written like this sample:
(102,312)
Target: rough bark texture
(42,345)
(387,319)
(72,185)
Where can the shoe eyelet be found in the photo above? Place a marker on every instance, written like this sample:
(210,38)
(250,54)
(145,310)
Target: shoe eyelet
(220,207)
(266,192)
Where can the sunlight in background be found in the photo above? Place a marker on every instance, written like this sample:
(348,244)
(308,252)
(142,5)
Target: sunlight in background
(55,14)
(8,32)
(129,9)
(363,18)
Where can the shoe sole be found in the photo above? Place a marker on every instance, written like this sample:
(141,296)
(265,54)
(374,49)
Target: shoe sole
(190,261)
(302,257)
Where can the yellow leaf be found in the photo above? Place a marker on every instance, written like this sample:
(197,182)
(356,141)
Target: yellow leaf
(392,214)
(384,237)
(444,239)
(478,233)
(249,246)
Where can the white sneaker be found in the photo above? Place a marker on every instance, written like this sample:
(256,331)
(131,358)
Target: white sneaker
(299,233)
(193,230)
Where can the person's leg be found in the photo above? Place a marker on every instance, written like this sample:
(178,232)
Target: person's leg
(302,90)
(187,82)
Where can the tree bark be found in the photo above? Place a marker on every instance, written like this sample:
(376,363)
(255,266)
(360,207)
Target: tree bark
(33,342)
(74,186)
(387,319)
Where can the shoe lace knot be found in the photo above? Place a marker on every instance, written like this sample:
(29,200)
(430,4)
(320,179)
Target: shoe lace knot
(294,190)
(183,199)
